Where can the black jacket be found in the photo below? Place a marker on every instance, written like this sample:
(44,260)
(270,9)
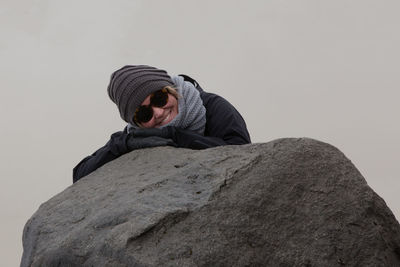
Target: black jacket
(224,126)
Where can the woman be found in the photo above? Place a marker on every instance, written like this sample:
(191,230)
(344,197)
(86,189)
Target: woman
(161,110)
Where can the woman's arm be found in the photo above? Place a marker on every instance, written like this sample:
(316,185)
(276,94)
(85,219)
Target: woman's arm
(115,147)
(120,143)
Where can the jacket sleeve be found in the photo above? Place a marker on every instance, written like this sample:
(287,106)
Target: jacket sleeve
(114,148)
(225,126)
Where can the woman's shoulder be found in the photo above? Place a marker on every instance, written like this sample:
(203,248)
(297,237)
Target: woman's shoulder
(211,99)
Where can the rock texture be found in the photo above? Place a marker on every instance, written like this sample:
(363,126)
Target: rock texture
(289,202)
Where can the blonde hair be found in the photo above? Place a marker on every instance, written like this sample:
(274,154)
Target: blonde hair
(172,90)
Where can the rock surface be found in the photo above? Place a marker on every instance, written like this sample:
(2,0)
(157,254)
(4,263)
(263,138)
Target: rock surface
(289,202)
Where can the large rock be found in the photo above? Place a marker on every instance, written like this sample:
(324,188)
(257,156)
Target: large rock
(290,202)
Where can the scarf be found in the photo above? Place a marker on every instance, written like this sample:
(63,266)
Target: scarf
(191,111)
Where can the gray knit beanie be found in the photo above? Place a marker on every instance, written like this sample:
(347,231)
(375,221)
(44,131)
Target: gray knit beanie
(130,85)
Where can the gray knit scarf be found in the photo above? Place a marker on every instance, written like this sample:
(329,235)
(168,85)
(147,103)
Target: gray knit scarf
(191,111)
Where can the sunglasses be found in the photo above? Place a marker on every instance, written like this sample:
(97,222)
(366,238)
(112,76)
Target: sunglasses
(157,99)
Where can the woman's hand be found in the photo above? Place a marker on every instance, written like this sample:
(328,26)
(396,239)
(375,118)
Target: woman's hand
(165,132)
(137,142)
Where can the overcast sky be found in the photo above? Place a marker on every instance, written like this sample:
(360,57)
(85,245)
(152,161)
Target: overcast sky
(327,70)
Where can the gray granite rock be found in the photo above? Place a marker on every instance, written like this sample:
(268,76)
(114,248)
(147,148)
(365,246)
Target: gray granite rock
(289,202)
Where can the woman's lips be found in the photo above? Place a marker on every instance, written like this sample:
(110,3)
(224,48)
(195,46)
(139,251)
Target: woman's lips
(166,119)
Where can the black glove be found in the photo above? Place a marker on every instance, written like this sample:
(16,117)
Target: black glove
(166,132)
(134,142)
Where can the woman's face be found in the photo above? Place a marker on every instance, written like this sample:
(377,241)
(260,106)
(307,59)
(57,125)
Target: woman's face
(162,115)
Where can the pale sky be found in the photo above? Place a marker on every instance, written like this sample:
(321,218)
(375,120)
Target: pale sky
(327,70)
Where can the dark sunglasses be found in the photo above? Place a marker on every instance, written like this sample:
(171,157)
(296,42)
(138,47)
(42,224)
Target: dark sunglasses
(157,99)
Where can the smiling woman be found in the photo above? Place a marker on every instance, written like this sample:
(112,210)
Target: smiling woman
(158,109)
(163,110)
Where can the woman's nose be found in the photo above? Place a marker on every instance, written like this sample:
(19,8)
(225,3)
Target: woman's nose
(157,112)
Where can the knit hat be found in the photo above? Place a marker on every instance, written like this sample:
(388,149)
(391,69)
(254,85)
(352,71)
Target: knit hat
(130,85)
